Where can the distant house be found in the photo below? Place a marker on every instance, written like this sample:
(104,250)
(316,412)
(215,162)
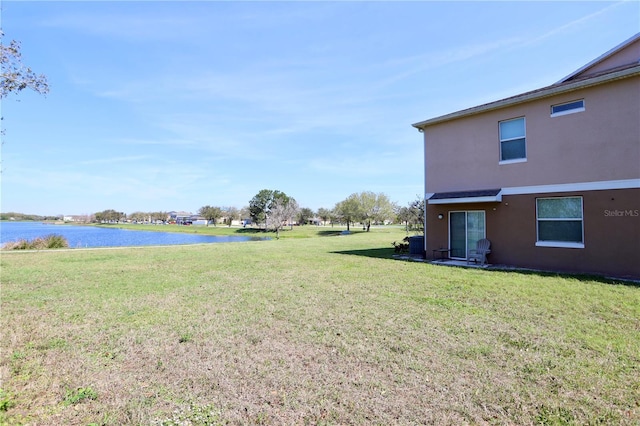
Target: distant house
(551,177)
(77,218)
(180,218)
(198,220)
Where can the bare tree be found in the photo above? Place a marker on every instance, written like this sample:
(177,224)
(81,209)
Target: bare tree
(16,76)
(282,212)
(260,205)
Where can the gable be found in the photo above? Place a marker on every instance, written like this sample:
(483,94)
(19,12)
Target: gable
(624,55)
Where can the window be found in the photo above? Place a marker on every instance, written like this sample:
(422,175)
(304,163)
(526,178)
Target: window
(512,141)
(567,108)
(560,222)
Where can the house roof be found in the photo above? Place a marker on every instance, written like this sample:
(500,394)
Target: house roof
(459,197)
(574,81)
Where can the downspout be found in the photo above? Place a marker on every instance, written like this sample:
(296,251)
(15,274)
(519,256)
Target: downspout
(424,196)
(425,225)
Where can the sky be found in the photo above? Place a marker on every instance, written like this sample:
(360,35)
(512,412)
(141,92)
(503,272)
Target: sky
(161,106)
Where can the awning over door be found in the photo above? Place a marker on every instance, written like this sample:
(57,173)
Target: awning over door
(461,197)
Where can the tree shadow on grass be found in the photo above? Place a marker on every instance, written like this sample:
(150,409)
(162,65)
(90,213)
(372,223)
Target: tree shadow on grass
(336,232)
(379,253)
(252,231)
(330,233)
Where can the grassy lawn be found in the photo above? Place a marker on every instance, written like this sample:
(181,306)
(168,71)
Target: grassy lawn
(287,232)
(321,329)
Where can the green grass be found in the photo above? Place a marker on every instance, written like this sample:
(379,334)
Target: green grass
(314,328)
(79,395)
(287,232)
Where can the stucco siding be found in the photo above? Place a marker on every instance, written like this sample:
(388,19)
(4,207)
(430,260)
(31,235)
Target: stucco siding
(611,224)
(599,144)
(591,151)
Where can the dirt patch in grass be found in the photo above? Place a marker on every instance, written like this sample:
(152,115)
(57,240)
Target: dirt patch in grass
(294,332)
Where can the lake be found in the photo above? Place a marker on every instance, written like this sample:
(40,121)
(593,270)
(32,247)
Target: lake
(92,236)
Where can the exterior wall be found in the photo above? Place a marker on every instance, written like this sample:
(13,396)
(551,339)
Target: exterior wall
(611,224)
(463,154)
(594,153)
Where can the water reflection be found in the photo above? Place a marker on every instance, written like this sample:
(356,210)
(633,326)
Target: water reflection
(91,236)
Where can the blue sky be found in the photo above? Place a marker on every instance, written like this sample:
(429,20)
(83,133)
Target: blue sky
(159,106)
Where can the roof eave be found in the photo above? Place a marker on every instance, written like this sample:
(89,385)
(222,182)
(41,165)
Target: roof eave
(533,95)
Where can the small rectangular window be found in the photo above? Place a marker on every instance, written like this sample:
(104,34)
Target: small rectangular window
(560,222)
(567,108)
(512,140)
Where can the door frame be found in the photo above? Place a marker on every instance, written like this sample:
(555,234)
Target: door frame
(466,231)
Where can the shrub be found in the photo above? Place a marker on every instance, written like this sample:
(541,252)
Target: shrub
(16,245)
(55,241)
(52,241)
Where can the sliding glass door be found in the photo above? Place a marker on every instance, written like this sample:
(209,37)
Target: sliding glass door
(465,229)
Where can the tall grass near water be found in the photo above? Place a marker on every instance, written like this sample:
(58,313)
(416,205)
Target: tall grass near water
(324,329)
(52,241)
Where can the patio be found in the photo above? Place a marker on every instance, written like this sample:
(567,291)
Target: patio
(447,262)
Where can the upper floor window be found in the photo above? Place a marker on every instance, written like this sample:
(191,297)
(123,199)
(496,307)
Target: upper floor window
(567,108)
(560,222)
(512,141)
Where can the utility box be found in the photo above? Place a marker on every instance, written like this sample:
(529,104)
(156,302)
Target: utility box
(416,245)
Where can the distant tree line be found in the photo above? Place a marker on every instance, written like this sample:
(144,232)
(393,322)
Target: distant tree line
(273,210)
(27,217)
(366,207)
(142,217)
(110,216)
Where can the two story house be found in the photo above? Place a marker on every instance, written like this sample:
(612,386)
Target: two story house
(551,177)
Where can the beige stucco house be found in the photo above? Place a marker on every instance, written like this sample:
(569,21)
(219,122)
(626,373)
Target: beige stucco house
(551,177)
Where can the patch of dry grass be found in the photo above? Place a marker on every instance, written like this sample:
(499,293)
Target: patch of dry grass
(52,241)
(321,330)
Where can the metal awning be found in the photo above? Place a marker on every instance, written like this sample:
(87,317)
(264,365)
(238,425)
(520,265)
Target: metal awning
(461,197)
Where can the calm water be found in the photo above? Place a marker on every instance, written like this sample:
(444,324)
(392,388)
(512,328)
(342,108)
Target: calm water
(91,236)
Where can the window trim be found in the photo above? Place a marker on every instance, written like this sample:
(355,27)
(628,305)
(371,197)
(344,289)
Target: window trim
(500,140)
(568,111)
(559,244)
(515,160)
